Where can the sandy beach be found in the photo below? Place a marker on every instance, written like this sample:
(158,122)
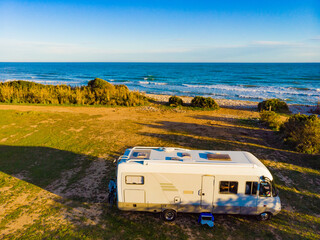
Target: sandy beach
(237,104)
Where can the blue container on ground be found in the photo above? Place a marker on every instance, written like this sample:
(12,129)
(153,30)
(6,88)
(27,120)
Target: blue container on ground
(206,218)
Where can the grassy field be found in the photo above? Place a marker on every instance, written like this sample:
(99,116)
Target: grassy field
(55,163)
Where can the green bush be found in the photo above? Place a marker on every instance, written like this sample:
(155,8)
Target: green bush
(175,101)
(273,105)
(302,132)
(122,87)
(98,91)
(270,118)
(24,84)
(100,83)
(202,102)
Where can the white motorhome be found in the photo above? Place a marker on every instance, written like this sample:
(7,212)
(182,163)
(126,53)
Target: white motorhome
(171,180)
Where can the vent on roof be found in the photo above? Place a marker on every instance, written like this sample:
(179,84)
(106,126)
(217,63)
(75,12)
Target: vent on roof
(176,159)
(184,155)
(218,157)
(166,149)
(142,154)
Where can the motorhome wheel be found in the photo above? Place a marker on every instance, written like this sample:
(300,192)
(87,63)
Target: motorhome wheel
(264,216)
(169,215)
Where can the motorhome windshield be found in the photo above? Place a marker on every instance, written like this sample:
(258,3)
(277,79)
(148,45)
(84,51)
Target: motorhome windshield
(265,189)
(268,189)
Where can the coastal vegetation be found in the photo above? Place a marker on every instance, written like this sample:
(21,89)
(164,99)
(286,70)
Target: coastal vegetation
(271,119)
(175,101)
(97,92)
(302,132)
(204,102)
(299,131)
(274,105)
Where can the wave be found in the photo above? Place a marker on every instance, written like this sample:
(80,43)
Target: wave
(121,82)
(143,82)
(249,86)
(300,88)
(250,97)
(56,82)
(153,83)
(252,88)
(160,83)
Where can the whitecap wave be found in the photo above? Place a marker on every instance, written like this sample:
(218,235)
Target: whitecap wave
(250,97)
(159,83)
(153,83)
(144,82)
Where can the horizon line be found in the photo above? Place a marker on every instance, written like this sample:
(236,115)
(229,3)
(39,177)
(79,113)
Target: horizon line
(136,62)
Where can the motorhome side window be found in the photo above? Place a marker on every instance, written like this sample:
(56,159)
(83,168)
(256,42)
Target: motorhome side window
(138,180)
(227,187)
(265,189)
(251,188)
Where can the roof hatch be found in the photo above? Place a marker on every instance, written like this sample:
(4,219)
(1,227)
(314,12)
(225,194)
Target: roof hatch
(218,157)
(140,154)
(184,155)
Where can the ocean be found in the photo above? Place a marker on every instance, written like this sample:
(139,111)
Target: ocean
(296,83)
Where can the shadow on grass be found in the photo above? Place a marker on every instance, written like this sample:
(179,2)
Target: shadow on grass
(58,171)
(78,211)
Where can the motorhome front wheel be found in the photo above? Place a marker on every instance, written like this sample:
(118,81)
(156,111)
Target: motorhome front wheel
(264,216)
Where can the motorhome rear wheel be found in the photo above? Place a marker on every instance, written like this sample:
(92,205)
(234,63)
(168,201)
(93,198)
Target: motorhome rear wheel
(169,215)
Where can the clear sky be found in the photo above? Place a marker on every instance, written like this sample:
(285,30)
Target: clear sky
(160,31)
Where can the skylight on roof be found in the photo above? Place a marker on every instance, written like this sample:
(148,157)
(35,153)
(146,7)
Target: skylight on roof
(184,155)
(140,154)
(218,157)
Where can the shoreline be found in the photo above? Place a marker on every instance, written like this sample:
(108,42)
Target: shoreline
(235,104)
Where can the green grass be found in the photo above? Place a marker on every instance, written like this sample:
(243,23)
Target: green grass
(46,157)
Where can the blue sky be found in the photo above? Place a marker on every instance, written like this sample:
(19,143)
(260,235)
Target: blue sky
(160,31)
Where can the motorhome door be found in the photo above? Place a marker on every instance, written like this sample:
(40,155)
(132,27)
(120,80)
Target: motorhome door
(206,192)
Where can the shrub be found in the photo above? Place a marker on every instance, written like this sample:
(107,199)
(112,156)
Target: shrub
(302,132)
(100,83)
(98,91)
(175,101)
(270,118)
(202,102)
(122,87)
(23,84)
(273,105)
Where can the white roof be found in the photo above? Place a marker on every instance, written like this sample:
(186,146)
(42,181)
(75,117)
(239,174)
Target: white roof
(168,159)
(180,155)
